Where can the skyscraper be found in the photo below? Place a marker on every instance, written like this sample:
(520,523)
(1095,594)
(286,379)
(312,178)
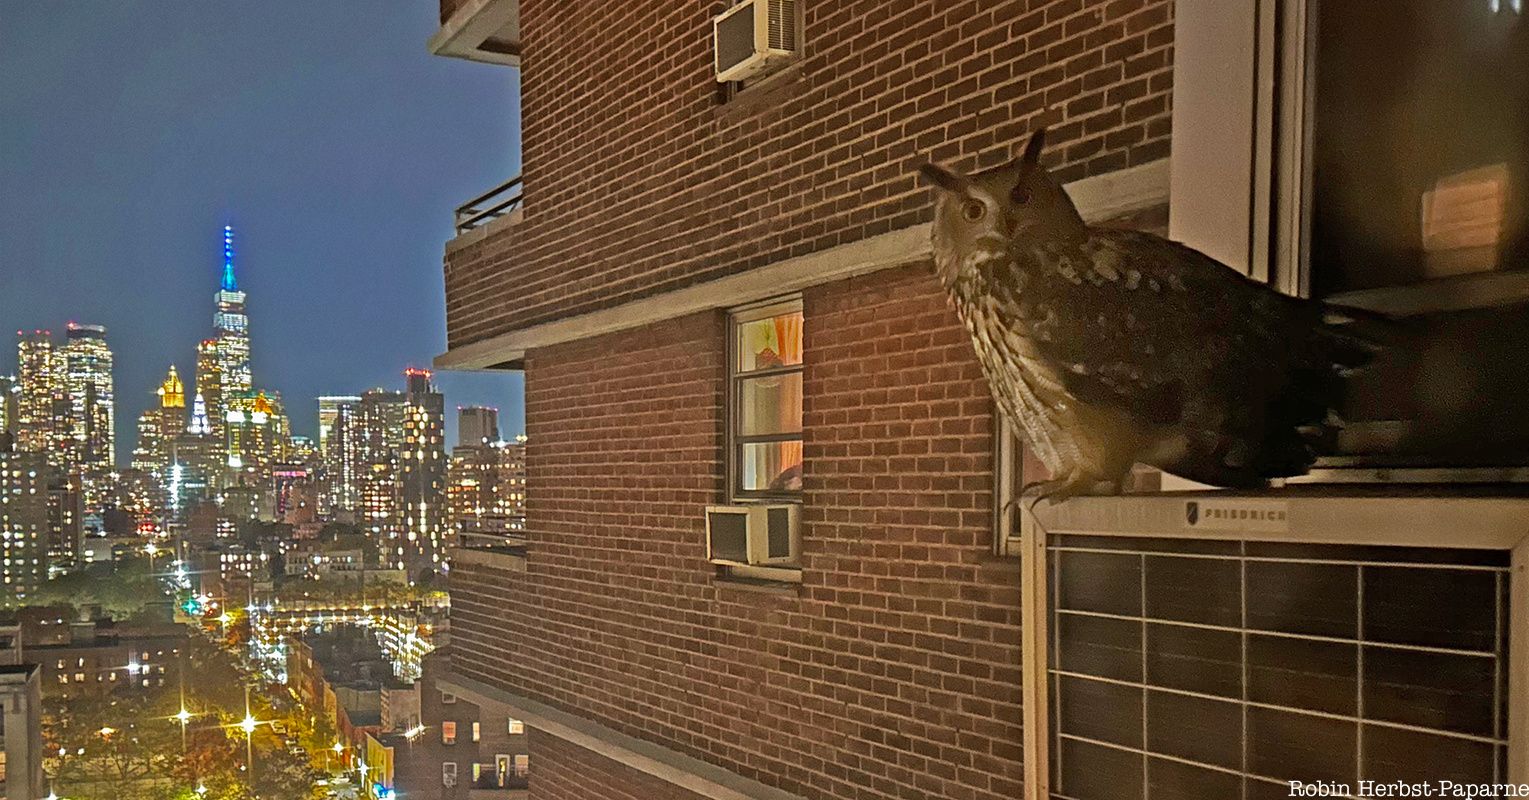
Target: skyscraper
(329,411)
(232,340)
(41,379)
(422,474)
(209,384)
(477,425)
(159,426)
(24,522)
(371,440)
(92,406)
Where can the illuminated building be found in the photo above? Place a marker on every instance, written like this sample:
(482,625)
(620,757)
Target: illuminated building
(41,375)
(24,523)
(88,382)
(292,485)
(486,488)
(66,514)
(255,429)
(477,426)
(329,412)
(209,385)
(232,344)
(422,476)
(159,426)
(10,401)
(341,445)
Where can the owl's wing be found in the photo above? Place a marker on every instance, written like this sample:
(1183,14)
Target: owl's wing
(1136,322)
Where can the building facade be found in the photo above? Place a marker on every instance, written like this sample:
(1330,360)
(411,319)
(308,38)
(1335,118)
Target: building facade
(722,294)
(231,324)
(92,403)
(477,426)
(25,521)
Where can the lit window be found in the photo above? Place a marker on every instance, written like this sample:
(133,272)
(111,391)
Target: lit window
(448,733)
(766,401)
(476,732)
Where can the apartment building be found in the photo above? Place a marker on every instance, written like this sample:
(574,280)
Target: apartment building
(720,293)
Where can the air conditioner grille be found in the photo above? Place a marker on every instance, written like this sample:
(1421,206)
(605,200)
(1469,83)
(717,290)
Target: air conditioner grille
(779,524)
(782,24)
(735,40)
(729,536)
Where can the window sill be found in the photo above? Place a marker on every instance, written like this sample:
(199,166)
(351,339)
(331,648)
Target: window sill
(770,91)
(778,581)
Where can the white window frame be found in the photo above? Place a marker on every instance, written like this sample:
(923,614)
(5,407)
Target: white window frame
(734,455)
(1242,198)
(449,732)
(448,773)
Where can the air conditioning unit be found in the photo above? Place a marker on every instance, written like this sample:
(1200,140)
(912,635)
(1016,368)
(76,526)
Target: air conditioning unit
(753,534)
(753,36)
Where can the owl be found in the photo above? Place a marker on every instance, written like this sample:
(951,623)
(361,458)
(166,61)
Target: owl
(1114,347)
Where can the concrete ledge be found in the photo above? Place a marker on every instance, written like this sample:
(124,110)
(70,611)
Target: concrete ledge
(1099,198)
(691,774)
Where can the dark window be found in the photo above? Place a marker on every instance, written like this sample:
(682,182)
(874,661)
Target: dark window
(1421,142)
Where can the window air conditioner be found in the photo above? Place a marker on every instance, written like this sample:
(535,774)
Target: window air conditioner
(753,534)
(752,37)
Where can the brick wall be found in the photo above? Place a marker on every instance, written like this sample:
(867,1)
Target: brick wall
(892,672)
(638,181)
(562,771)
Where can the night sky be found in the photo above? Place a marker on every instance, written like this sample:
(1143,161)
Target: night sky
(324,132)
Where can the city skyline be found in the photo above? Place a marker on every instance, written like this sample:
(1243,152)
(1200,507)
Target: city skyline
(318,297)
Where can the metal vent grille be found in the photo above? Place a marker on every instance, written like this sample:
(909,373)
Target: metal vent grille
(782,24)
(735,40)
(779,532)
(1215,669)
(729,535)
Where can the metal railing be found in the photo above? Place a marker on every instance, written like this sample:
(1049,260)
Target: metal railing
(489,206)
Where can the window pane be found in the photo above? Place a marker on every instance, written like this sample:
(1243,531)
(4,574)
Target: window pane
(1421,143)
(772,467)
(772,342)
(770,405)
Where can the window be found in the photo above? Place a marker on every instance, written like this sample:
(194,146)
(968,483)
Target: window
(516,727)
(448,733)
(449,773)
(766,401)
(1420,165)
(447,698)
(477,733)
(522,765)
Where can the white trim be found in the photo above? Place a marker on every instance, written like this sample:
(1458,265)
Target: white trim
(471,24)
(1518,665)
(692,774)
(1098,198)
(1215,105)
(1495,523)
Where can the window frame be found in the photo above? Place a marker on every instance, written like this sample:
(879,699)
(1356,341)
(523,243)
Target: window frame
(734,441)
(449,732)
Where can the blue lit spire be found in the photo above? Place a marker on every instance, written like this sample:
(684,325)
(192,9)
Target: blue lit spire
(229,283)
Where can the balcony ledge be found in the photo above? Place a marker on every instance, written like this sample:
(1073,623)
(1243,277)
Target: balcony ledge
(481,30)
(1100,197)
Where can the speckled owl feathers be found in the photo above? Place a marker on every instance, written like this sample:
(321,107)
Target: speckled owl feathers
(1112,347)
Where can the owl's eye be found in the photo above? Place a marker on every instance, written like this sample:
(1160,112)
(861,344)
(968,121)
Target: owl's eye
(974,210)
(1020,195)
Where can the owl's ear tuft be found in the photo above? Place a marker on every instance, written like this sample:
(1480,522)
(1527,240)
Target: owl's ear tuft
(944,178)
(1033,148)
